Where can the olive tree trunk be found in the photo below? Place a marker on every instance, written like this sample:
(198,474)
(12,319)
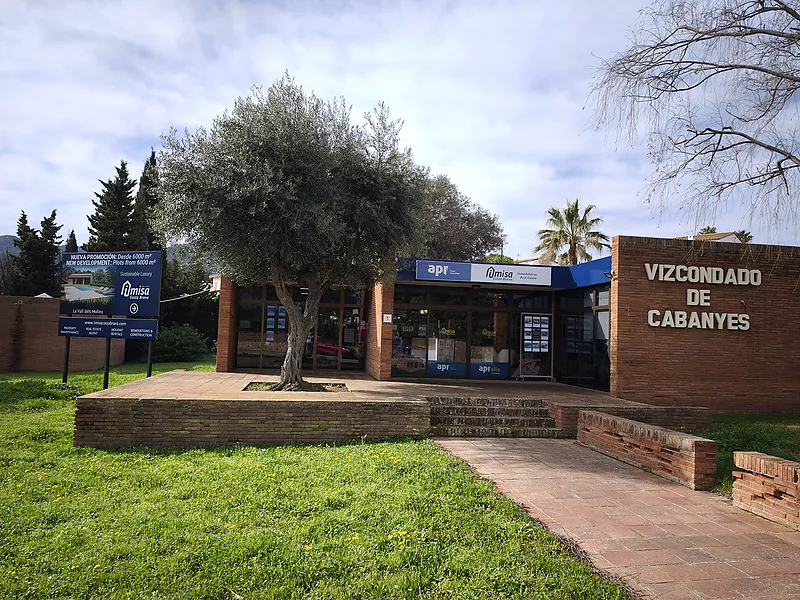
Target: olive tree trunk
(300,324)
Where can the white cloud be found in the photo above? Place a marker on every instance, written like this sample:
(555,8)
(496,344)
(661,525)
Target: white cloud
(492,95)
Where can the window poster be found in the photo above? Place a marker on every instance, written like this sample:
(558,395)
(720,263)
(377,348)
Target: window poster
(545,334)
(543,346)
(423,330)
(545,321)
(281,311)
(528,320)
(527,347)
(537,333)
(536,321)
(271,310)
(528,334)
(281,324)
(271,323)
(270,336)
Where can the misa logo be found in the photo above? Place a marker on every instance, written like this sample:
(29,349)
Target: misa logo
(437,270)
(129,291)
(493,273)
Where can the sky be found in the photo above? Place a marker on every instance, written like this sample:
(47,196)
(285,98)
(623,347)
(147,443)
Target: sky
(495,95)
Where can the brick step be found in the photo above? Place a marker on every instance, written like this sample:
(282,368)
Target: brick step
(521,432)
(489,411)
(469,401)
(461,421)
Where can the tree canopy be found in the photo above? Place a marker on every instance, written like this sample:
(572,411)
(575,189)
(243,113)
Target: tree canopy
(110,225)
(711,83)
(571,229)
(283,188)
(453,227)
(142,236)
(37,267)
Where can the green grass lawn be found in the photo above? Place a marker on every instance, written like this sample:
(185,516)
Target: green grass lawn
(774,434)
(380,520)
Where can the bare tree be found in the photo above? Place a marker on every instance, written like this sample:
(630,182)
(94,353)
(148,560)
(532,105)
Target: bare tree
(711,83)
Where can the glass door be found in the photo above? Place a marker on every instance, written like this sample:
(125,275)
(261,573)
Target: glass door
(447,343)
(489,353)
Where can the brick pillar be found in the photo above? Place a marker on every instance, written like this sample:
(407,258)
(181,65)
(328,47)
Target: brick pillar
(614,315)
(226,330)
(379,334)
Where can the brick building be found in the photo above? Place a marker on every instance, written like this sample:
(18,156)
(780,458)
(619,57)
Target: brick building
(664,321)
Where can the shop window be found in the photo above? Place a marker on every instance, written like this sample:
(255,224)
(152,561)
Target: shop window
(445,296)
(250,293)
(532,301)
(354,336)
(248,341)
(328,339)
(491,298)
(352,296)
(409,295)
(409,342)
(331,296)
(489,352)
(604,296)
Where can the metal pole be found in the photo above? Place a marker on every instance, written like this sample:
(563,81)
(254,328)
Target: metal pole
(65,372)
(149,358)
(108,360)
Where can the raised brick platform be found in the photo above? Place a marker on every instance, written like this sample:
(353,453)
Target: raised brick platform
(180,409)
(687,459)
(771,489)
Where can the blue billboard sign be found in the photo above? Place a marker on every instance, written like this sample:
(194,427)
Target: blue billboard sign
(127,329)
(122,284)
(443,270)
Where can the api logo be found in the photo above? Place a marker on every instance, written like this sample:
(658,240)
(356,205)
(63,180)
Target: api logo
(437,270)
(441,367)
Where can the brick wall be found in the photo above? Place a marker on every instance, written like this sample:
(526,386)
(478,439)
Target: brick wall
(379,334)
(771,489)
(110,422)
(681,457)
(687,418)
(226,326)
(727,371)
(29,339)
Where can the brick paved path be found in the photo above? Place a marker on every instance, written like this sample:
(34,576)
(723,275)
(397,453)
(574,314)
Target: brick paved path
(665,540)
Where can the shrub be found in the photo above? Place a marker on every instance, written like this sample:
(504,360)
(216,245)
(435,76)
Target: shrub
(179,343)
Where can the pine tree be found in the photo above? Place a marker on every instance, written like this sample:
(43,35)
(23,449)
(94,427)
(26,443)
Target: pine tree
(142,236)
(48,271)
(110,225)
(72,242)
(38,264)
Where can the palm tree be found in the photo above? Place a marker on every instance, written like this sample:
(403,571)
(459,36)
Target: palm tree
(574,230)
(743,236)
(706,230)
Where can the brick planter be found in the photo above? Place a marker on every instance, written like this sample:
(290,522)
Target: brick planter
(771,489)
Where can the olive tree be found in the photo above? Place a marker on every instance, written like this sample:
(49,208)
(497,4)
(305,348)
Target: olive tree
(712,85)
(285,189)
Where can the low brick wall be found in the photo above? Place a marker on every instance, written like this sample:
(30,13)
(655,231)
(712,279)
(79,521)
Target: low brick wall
(110,422)
(29,339)
(687,459)
(688,418)
(771,489)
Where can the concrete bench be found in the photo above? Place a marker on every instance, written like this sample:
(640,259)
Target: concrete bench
(771,489)
(681,457)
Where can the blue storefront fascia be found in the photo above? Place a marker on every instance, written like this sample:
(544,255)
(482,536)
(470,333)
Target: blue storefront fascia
(562,278)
